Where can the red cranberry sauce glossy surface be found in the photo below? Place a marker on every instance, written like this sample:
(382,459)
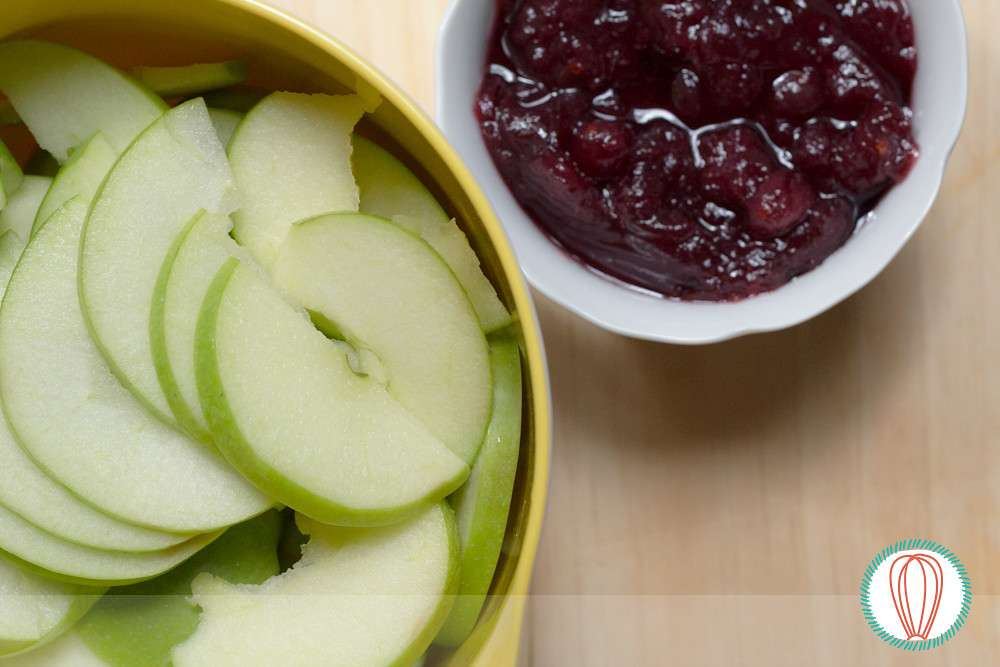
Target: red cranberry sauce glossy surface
(705,149)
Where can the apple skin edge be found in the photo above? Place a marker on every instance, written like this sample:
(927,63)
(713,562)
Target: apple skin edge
(158,344)
(482,504)
(417,651)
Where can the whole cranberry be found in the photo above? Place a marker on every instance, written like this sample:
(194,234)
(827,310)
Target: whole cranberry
(883,28)
(882,140)
(826,226)
(797,92)
(853,83)
(778,203)
(662,143)
(736,160)
(824,151)
(601,147)
(675,24)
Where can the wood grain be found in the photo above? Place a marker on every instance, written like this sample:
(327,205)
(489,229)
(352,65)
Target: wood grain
(718,505)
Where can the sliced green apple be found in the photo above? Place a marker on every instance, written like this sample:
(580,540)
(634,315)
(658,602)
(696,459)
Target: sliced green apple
(225,121)
(22,205)
(483,502)
(286,409)
(64,96)
(66,650)
(184,80)
(11,247)
(359,596)
(35,610)
(175,168)
(187,271)
(389,189)
(29,492)
(37,498)
(74,418)
(138,625)
(49,556)
(388,291)
(291,156)
(82,174)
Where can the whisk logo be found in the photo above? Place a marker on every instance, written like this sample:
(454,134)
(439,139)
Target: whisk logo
(915,595)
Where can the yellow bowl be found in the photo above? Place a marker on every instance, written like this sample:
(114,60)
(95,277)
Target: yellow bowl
(285,53)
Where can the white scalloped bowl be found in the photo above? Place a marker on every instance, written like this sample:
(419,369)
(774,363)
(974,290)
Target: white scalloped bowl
(939,101)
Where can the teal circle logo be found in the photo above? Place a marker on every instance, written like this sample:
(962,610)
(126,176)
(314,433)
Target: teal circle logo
(915,595)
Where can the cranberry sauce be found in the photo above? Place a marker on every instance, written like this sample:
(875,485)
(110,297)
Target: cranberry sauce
(701,149)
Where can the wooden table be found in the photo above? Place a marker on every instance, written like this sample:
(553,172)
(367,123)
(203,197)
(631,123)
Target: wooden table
(718,505)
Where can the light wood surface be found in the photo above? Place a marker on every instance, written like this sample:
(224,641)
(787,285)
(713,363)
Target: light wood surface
(718,505)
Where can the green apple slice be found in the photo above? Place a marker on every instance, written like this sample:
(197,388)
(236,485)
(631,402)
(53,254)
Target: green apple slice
(388,291)
(138,625)
(452,244)
(64,96)
(291,157)
(66,650)
(287,411)
(82,174)
(189,268)
(51,557)
(19,213)
(35,610)
(389,189)
(483,502)
(76,420)
(11,247)
(185,80)
(29,492)
(175,168)
(225,121)
(359,596)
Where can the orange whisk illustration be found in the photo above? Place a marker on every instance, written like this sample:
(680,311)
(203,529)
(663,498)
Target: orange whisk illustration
(916,581)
